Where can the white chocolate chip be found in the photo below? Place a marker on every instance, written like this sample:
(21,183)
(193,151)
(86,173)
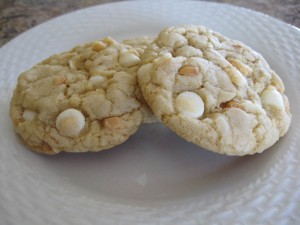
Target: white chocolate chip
(28,115)
(70,122)
(190,104)
(129,59)
(271,97)
(97,81)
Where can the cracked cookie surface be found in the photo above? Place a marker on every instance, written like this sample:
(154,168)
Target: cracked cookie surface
(86,99)
(213,91)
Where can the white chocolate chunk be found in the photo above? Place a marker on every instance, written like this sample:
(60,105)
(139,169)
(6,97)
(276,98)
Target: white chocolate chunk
(97,81)
(70,122)
(28,115)
(190,104)
(129,59)
(271,97)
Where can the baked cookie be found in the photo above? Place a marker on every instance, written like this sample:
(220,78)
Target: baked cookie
(140,44)
(86,99)
(212,91)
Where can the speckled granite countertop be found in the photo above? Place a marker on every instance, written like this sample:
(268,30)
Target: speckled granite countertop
(16,16)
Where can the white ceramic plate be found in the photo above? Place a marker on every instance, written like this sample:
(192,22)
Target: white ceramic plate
(155,177)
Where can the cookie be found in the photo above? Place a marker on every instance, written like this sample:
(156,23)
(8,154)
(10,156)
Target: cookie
(86,99)
(213,91)
(140,44)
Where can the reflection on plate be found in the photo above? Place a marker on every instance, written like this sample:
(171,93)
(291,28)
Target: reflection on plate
(155,177)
